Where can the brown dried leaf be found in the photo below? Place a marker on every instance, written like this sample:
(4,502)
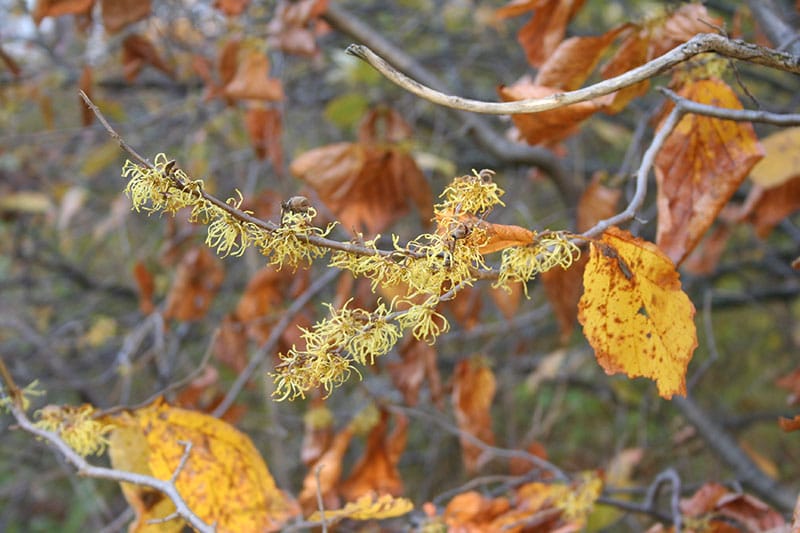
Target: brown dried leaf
(598,202)
(324,475)
(138,51)
(540,36)
(766,208)
(251,80)
(680,26)
(292,27)
(10,63)
(376,472)
(501,236)
(789,424)
(230,344)
(365,186)
(722,506)
(264,128)
(630,54)
(261,302)
(197,280)
(146,286)
(231,8)
(383,125)
(564,289)
(574,59)
(548,126)
(228,60)
(117,14)
(507,301)
(85,85)
(700,166)
(58,8)
(791,382)
(473,391)
(418,364)
(704,258)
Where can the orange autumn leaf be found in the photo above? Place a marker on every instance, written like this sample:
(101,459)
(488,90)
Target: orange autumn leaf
(224,479)
(719,507)
(146,285)
(634,313)
(293,26)
(370,184)
(117,14)
(58,8)
(474,386)
(548,126)
(197,280)
(766,208)
(323,475)
(790,424)
(138,51)
(418,364)
(251,80)
(575,59)
(501,236)
(85,85)
(700,166)
(632,53)
(376,472)
(791,383)
(231,8)
(264,129)
(540,36)
(563,287)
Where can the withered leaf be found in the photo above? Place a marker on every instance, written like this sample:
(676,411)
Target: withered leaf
(197,280)
(138,51)
(117,14)
(474,386)
(700,166)
(251,80)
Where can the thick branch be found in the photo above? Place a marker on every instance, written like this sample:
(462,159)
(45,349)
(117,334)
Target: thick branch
(701,43)
(729,451)
(481,131)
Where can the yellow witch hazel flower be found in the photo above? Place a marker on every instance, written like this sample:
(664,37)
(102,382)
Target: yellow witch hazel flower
(230,236)
(523,263)
(476,194)
(161,188)
(76,427)
(289,243)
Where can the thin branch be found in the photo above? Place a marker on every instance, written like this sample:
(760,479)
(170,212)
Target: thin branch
(320,503)
(641,176)
(738,115)
(726,448)
(167,487)
(487,448)
(481,131)
(701,43)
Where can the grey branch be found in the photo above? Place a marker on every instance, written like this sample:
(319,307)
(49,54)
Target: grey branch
(167,487)
(701,43)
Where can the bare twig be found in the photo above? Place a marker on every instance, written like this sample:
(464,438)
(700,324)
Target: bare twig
(540,463)
(738,115)
(167,487)
(729,451)
(641,175)
(480,130)
(701,43)
(320,503)
(670,475)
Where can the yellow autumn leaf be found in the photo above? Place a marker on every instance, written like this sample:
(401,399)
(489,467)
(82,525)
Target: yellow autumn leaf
(368,507)
(224,480)
(634,313)
(782,158)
